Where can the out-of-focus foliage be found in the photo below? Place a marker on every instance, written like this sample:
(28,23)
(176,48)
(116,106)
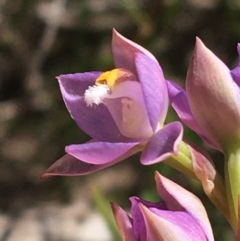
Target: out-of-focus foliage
(42,39)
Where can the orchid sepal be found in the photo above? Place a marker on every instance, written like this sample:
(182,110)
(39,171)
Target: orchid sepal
(208,78)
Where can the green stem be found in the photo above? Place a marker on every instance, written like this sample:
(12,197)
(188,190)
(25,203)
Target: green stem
(182,161)
(232,182)
(197,166)
(104,208)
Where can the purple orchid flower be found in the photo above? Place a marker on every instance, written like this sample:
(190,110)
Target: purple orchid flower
(122,110)
(179,216)
(211,103)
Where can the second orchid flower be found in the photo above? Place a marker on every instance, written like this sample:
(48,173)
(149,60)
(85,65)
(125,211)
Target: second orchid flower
(179,216)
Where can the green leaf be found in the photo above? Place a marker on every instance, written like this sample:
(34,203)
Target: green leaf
(104,208)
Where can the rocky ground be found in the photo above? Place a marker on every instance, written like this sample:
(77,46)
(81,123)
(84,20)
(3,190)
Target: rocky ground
(75,220)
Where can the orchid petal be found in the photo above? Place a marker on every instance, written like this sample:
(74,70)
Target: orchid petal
(179,102)
(204,169)
(70,166)
(236,71)
(154,88)
(178,198)
(124,50)
(96,121)
(126,104)
(142,63)
(101,153)
(124,223)
(162,144)
(171,226)
(139,226)
(213,96)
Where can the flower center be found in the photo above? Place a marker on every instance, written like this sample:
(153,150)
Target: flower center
(95,94)
(121,93)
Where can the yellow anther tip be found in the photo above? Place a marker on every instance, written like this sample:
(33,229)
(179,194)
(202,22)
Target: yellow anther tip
(109,78)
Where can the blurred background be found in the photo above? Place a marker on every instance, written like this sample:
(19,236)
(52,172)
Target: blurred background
(41,39)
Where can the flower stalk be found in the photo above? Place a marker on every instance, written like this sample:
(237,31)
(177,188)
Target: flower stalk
(196,165)
(232,180)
